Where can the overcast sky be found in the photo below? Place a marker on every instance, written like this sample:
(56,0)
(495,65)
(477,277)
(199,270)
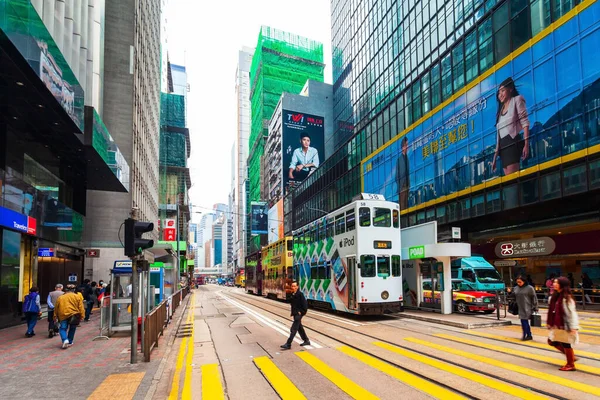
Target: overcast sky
(205,36)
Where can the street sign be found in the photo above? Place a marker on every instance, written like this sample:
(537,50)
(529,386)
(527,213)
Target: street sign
(93,253)
(455,232)
(46,252)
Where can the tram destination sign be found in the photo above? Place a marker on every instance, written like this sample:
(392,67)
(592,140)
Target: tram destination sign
(540,246)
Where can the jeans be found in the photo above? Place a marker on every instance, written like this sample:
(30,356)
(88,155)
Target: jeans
(88,309)
(64,325)
(297,328)
(50,319)
(31,318)
(526,328)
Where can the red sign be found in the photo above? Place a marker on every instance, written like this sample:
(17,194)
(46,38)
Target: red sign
(93,253)
(31,226)
(169,234)
(506,249)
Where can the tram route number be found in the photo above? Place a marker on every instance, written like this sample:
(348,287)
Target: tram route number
(382,244)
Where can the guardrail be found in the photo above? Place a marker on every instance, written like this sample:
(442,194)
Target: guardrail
(584,297)
(154,327)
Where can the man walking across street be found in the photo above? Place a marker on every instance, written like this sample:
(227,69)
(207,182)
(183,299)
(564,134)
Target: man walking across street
(69,311)
(299,308)
(51,301)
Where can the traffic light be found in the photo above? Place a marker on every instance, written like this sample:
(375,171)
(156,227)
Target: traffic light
(134,244)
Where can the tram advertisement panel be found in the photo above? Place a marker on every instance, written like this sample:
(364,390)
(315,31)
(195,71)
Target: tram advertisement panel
(542,104)
(303,146)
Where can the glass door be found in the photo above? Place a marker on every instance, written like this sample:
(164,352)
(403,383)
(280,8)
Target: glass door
(351,262)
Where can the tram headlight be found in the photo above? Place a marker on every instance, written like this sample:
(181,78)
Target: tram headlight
(385,295)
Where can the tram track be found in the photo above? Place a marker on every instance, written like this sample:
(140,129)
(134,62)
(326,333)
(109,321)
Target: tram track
(283,313)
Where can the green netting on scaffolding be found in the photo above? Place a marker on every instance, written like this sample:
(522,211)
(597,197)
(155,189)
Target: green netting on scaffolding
(173,149)
(254,171)
(169,187)
(172,110)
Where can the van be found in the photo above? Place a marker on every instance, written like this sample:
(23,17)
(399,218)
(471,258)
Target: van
(475,273)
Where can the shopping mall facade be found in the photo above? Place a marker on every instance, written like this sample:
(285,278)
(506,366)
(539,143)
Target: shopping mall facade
(479,115)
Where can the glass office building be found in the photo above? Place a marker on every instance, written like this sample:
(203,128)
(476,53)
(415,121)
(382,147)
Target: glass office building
(478,114)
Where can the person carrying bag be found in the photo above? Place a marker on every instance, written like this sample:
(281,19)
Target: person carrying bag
(563,322)
(69,312)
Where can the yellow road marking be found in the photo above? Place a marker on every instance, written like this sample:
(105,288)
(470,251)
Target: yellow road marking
(352,389)
(212,389)
(187,382)
(407,378)
(183,347)
(472,376)
(118,386)
(511,367)
(282,385)
(524,354)
(544,346)
(587,322)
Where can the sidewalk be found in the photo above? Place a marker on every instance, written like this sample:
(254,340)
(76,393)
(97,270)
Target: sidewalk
(32,366)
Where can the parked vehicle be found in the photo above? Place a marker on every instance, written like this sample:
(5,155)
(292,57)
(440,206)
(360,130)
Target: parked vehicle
(475,273)
(463,300)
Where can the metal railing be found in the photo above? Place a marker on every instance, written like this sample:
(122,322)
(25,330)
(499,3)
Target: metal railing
(154,327)
(584,297)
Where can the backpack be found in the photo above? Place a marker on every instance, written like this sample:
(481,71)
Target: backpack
(30,305)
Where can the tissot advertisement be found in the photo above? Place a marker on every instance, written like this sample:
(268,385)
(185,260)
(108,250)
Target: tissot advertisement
(260,217)
(520,116)
(303,147)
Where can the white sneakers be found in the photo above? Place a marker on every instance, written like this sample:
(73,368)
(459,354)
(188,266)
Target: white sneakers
(65,344)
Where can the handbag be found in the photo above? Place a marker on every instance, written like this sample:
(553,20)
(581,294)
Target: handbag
(75,319)
(513,308)
(536,319)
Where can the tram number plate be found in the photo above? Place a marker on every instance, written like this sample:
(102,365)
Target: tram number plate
(382,244)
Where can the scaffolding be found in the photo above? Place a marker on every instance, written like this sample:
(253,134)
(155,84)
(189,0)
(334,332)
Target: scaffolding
(282,62)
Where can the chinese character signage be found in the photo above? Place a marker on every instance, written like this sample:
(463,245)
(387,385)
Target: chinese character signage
(170,230)
(540,246)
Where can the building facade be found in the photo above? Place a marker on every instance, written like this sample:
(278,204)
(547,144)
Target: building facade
(132,80)
(282,62)
(54,145)
(482,116)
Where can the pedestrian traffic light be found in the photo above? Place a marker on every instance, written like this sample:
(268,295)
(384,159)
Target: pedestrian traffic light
(134,244)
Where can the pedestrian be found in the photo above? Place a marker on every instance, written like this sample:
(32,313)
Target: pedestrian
(587,285)
(550,287)
(68,311)
(563,322)
(92,298)
(31,309)
(299,309)
(51,301)
(526,299)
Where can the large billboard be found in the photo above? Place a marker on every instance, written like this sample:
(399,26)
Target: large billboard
(276,222)
(303,146)
(259,212)
(536,108)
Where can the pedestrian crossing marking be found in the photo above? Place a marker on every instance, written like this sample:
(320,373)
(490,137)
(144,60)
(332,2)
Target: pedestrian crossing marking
(352,389)
(472,376)
(511,367)
(544,346)
(211,382)
(551,360)
(587,322)
(407,378)
(118,386)
(282,385)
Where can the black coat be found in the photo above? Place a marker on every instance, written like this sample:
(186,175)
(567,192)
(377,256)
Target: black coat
(299,304)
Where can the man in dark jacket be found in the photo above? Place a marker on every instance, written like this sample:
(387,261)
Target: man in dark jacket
(299,308)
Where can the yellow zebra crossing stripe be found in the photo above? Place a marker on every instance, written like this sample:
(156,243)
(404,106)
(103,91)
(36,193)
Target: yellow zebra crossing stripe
(282,385)
(524,354)
(544,346)
(211,382)
(352,389)
(407,378)
(475,377)
(511,367)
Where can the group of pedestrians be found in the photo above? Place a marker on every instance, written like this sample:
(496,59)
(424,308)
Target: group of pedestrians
(67,307)
(562,321)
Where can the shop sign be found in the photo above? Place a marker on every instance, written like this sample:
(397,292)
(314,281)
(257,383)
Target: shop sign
(416,252)
(46,252)
(455,232)
(93,253)
(540,246)
(19,222)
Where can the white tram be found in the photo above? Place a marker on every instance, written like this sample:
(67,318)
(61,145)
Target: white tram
(350,259)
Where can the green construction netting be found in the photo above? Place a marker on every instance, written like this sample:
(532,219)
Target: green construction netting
(172,110)
(173,149)
(282,62)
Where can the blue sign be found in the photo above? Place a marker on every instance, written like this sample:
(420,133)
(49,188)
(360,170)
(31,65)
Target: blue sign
(46,252)
(19,222)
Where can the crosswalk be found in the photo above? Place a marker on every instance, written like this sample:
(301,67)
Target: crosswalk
(458,355)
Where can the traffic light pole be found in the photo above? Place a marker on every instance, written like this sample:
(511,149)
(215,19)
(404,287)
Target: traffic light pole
(134,299)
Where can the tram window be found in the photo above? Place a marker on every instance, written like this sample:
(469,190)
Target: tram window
(330,228)
(321,272)
(327,269)
(290,273)
(314,272)
(382,217)
(340,224)
(383,266)
(350,221)
(323,230)
(367,266)
(290,245)
(312,235)
(396,218)
(364,216)
(396,266)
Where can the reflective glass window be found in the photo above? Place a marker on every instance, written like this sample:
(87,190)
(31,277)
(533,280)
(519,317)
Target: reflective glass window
(364,216)
(396,266)
(550,186)
(350,220)
(367,266)
(575,179)
(383,266)
(510,197)
(382,217)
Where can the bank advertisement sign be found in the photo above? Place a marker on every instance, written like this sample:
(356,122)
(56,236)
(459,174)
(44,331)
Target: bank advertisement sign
(18,222)
(541,105)
(303,146)
(259,217)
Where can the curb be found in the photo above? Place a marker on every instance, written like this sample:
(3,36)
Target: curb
(456,324)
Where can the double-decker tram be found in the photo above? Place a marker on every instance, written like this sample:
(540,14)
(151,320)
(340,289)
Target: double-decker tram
(254,274)
(350,259)
(277,269)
